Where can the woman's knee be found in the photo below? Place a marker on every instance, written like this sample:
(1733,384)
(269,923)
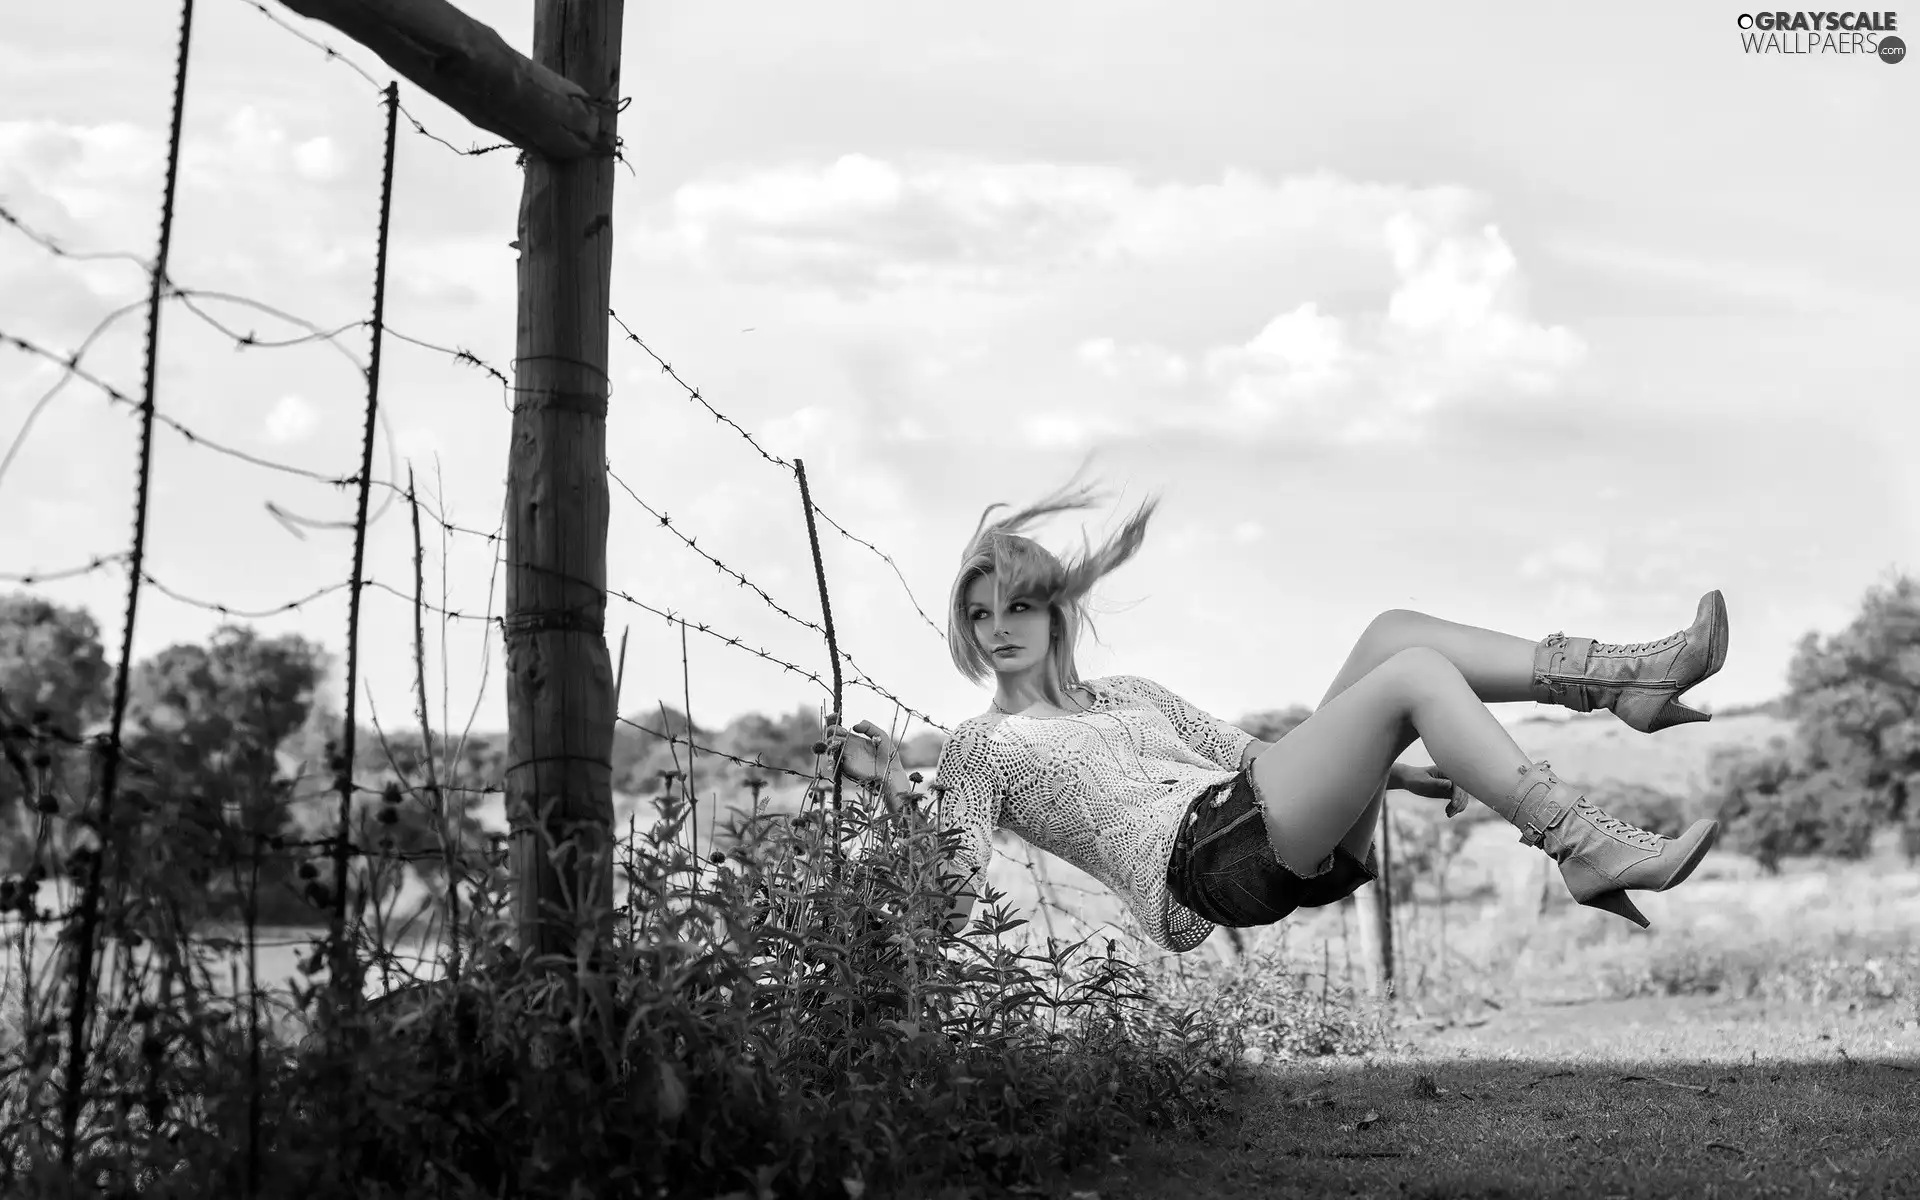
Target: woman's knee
(1415,672)
(1392,631)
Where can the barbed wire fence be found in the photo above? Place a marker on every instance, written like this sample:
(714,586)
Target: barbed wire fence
(364,925)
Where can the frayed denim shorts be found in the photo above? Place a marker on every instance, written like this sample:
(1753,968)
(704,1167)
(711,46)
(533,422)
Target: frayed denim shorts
(1224,868)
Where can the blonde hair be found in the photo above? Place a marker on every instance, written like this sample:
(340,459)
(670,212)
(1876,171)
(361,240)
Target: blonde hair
(1021,566)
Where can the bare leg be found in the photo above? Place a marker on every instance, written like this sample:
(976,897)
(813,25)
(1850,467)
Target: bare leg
(1497,666)
(1322,782)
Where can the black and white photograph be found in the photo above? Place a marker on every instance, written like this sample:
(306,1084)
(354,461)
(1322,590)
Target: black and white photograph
(851,601)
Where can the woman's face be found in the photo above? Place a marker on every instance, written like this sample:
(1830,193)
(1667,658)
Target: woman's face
(1016,637)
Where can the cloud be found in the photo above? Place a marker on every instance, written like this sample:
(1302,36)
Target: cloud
(1567,556)
(1454,326)
(859,224)
(1151,363)
(318,160)
(1371,304)
(1296,357)
(291,420)
(77,173)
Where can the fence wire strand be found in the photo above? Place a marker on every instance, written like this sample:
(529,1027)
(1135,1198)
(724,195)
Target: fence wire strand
(372,772)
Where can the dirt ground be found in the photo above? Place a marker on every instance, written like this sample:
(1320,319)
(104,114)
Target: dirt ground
(1691,1096)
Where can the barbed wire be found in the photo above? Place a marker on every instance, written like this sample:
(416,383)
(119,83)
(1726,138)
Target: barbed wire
(70,363)
(54,246)
(334,55)
(256,614)
(864,678)
(315,332)
(693,393)
(93,565)
(361,775)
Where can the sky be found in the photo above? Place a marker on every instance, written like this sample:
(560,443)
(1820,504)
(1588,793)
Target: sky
(1544,327)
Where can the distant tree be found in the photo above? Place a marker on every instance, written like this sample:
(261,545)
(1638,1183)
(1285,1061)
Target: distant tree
(1774,803)
(1856,699)
(1273,724)
(1651,808)
(651,744)
(203,779)
(646,744)
(922,750)
(51,661)
(428,800)
(53,686)
(1853,762)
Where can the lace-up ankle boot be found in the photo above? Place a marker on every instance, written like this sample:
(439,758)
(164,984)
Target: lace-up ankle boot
(1600,856)
(1642,683)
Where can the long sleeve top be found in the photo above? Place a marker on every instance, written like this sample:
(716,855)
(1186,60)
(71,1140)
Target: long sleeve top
(1104,789)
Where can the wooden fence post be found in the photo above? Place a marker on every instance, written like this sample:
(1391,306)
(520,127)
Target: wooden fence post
(560,714)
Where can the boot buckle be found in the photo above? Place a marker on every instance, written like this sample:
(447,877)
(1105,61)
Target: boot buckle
(1532,835)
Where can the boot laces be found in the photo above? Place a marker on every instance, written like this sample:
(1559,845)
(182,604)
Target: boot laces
(1615,826)
(1637,647)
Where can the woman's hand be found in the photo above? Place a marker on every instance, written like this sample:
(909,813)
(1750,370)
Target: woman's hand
(865,753)
(1431,782)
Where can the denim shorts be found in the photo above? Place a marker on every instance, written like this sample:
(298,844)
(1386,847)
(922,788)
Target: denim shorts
(1224,869)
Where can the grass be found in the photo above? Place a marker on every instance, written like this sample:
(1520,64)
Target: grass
(790,1022)
(1762,1039)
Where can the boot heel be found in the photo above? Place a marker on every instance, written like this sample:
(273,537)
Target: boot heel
(1616,902)
(1675,713)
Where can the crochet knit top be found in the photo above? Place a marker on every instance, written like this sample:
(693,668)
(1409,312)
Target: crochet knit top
(1104,789)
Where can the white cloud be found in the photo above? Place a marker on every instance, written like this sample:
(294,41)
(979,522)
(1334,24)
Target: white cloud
(1566,556)
(419,446)
(1381,302)
(1148,363)
(1297,356)
(859,222)
(1454,326)
(318,160)
(1461,306)
(291,419)
(1063,430)
(76,173)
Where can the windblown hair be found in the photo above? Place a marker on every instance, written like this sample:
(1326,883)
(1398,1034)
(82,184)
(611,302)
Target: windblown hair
(1020,566)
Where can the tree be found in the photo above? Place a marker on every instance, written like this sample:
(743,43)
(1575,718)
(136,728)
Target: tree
(1856,699)
(53,676)
(204,779)
(429,800)
(1853,762)
(51,661)
(1274,724)
(1774,803)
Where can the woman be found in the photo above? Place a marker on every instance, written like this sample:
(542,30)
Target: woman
(1196,824)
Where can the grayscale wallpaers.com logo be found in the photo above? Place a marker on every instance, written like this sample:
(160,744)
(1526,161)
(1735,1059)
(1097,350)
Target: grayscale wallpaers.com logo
(1863,33)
